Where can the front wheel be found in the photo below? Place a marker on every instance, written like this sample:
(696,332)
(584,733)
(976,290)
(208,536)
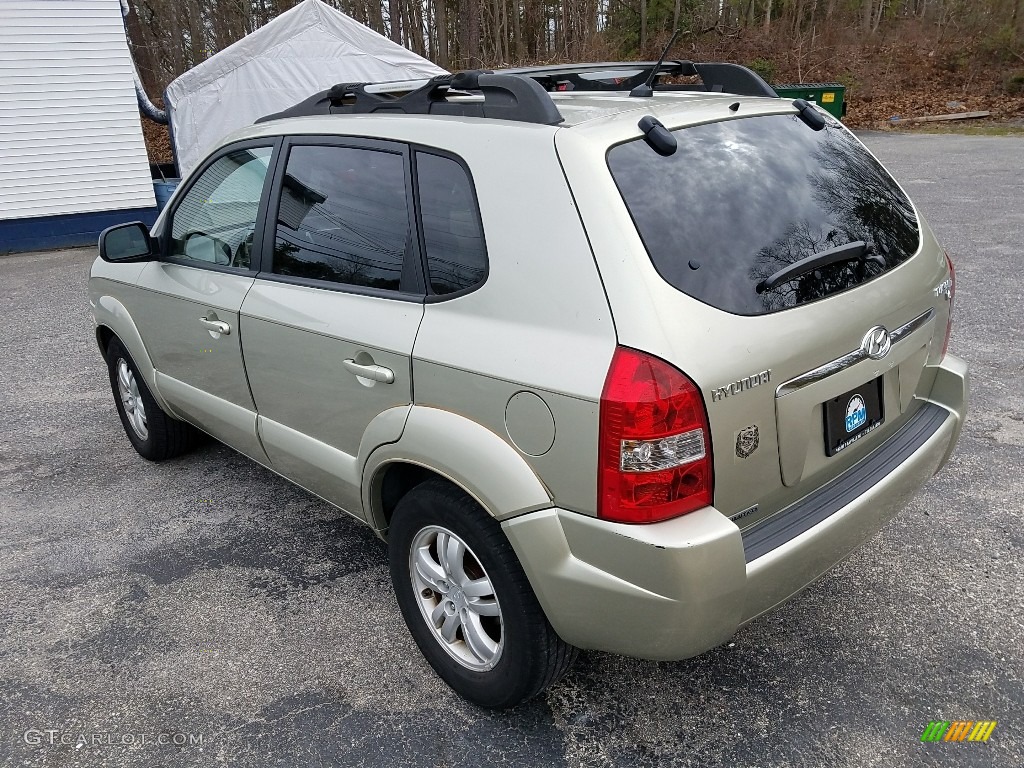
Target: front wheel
(154,434)
(467,601)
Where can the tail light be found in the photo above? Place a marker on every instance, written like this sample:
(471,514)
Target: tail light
(654,456)
(952,299)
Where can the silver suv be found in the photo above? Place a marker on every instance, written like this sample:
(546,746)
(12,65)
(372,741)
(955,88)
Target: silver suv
(607,369)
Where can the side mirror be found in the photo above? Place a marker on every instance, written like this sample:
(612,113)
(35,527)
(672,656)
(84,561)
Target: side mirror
(126,242)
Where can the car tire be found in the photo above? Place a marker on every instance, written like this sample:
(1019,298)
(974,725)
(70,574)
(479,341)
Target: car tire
(155,435)
(489,639)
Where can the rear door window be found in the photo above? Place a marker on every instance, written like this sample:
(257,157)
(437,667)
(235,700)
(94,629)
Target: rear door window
(742,199)
(343,217)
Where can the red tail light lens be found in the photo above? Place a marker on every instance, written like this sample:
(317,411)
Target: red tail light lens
(952,299)
(654,458)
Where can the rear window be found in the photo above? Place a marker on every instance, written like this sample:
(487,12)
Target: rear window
(742,199)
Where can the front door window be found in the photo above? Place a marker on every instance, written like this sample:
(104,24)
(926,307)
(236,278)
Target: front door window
(216,219)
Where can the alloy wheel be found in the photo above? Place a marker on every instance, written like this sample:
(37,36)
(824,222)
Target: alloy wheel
(456,598)
(128,388)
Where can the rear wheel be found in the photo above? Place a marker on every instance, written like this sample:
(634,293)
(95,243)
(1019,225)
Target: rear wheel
(467,601)
(154,434)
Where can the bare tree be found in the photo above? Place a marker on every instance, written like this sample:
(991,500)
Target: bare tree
(170,36)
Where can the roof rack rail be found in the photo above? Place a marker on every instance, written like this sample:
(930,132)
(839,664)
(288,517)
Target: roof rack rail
(625,75)
(506,96)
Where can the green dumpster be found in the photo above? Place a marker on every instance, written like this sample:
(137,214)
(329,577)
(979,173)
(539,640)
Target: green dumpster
(829,96)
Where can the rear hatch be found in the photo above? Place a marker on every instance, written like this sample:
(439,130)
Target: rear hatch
(804,368)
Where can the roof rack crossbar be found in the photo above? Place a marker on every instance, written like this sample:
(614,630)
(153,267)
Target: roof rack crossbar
(505,97)
(733,78)
(715,76)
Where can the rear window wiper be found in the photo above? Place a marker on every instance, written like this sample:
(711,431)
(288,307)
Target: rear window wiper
(858,250)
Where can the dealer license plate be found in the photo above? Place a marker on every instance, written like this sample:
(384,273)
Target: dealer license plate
(852,415)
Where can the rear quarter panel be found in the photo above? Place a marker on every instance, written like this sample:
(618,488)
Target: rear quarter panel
(539,324)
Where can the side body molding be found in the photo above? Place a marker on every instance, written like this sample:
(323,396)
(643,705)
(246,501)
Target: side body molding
(232,424)
(471,456)
(112,314)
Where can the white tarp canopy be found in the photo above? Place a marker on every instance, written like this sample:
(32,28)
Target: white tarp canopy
(303,51)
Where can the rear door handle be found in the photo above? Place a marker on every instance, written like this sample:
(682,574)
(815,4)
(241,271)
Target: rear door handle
(217,326)
(372,372)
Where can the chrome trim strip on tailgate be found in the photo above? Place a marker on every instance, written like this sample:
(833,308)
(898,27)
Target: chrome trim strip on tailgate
(849,359)
(830,498)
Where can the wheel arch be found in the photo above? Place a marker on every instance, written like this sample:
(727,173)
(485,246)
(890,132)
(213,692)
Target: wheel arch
(114,321)
(103,337)
(438,444)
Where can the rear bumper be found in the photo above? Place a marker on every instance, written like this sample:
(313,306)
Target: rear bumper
(676,589)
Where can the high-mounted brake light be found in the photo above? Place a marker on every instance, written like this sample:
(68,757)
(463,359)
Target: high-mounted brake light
(952,299)
(654,456)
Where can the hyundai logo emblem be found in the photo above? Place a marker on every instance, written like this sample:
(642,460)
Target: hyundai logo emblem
(876,343)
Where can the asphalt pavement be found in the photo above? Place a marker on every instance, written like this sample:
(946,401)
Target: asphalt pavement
(205,612)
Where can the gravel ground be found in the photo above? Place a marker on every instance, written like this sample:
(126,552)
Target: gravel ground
(206,598)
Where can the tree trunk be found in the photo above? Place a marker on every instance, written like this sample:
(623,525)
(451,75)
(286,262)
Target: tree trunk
(643,27)
(395,20)
(462,34)
(143,55)
(414,28)
(473,28)
(517,32)
(879,15)
(442,55)
(196,33)
(867,8)
(505,34)
(375,16)
(532,13)
(500,41)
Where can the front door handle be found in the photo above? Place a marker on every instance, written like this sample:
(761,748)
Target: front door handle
(217,326)
(372,372)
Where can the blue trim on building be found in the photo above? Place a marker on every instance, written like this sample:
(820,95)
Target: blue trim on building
(67,231)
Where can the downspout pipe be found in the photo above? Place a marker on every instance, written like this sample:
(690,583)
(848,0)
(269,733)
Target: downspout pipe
(147,107)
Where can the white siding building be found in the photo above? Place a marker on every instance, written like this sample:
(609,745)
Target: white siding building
(72,156)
